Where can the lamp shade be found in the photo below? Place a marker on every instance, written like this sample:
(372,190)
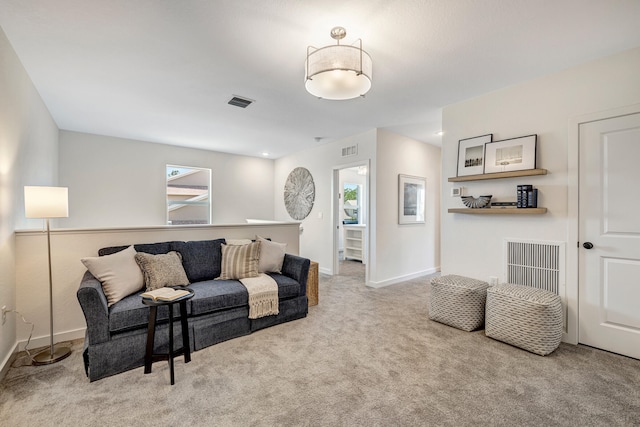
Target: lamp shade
(46,202)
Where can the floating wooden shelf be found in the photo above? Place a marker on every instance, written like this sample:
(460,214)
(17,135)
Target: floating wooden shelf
(498,175)
(499,211)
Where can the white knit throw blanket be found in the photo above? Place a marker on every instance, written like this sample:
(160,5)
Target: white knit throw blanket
(263,296)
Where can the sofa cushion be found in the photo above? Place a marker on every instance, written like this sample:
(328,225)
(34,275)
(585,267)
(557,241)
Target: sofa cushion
(239,262)
(287,287)
(210,296)
(149,248)
(214,295)
(162,270)
(201,259)
(118,273)
(131,313)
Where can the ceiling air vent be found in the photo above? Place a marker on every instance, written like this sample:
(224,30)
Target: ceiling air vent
(240,102)
(350,151)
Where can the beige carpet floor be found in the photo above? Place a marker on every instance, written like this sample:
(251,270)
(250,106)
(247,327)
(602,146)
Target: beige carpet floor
(362,357)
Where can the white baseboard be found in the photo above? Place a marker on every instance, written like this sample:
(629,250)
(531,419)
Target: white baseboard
(45,340)
(8,360)
(325,270)
(403,278)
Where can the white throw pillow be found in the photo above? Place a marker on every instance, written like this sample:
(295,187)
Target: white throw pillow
(119,274)
(271,256)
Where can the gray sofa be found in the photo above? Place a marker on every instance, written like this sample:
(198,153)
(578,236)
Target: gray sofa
(116,336)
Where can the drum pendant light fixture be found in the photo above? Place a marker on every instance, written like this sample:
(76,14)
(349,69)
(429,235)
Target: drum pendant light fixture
(338,72)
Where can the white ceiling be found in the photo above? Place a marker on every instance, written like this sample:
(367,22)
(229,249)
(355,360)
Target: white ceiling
(163,71)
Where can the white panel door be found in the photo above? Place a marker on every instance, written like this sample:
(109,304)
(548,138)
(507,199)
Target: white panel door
(609,218)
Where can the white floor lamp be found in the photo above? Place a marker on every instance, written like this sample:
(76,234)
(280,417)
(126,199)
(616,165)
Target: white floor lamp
(48,202)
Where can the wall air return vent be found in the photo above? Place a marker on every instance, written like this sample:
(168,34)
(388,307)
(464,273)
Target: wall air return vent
(350,151)
(240,102)
(539,264)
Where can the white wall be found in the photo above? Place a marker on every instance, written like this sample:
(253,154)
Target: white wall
(28,156)
(397,252)
(316,241)
(122,182)
(403,252)
(473,245)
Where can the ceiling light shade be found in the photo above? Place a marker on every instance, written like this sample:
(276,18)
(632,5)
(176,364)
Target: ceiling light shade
(338,72)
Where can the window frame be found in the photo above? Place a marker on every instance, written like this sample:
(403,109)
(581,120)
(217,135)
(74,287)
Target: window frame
(168,203)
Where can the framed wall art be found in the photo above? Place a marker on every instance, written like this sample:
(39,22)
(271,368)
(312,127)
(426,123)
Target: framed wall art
(513,154)
(471,155)
(411,199)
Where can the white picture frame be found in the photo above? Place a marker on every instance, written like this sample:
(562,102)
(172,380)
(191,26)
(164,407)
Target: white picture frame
(471,155)
(411,199)
(513,154)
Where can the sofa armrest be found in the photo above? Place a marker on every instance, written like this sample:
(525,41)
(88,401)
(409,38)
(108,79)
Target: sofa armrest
(94,306)
(297,268)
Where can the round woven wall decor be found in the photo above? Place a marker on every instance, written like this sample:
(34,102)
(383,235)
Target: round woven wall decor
(299,193)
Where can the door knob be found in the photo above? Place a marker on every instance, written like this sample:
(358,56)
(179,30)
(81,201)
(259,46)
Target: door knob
(587,245)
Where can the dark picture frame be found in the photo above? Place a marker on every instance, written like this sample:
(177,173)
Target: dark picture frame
(471,155)
(412,196)
(513,154)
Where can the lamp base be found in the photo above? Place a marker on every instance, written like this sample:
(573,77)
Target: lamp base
(46,358)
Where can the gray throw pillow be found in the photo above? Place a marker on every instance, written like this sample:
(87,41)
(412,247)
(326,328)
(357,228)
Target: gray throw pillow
(162,270)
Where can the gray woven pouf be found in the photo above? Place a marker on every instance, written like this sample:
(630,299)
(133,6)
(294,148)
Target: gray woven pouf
(458,301)
(523,316)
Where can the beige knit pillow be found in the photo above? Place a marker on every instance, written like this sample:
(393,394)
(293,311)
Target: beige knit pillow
(162,270)
(239,262)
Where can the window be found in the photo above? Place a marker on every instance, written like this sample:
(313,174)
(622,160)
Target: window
(351,203)
(188,195)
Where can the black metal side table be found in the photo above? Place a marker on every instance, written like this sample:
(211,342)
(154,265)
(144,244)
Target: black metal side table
(150,356)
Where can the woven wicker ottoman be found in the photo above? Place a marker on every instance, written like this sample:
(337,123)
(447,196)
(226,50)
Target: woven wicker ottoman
(458,301)
(523,316)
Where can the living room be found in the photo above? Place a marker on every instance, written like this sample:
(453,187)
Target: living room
(111,177)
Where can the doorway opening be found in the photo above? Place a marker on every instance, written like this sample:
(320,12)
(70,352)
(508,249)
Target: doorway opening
(350,217)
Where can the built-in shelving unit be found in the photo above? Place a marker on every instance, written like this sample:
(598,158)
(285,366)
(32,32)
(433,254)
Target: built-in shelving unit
(499,211)
(354,242)
(498,175)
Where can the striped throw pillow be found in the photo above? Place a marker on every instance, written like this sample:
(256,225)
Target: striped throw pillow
(239,262)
